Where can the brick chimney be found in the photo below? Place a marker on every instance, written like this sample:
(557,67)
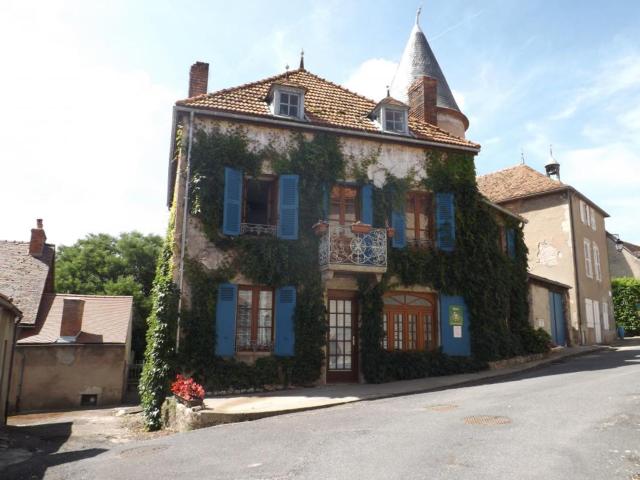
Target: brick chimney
(38,238)
(198,79)
(72,311)
(422,99)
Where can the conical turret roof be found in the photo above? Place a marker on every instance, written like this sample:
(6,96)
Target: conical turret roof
(418,60)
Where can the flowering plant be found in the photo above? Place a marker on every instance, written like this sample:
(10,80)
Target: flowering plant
(187,388)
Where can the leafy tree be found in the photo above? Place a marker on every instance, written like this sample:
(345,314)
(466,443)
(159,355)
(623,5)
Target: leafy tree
(626,304)
(101,264)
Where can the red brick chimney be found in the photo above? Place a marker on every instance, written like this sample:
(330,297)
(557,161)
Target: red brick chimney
(422,99)
(72,311)
(38,238)
(198,79)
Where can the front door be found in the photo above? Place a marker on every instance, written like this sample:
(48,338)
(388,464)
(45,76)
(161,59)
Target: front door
(342,341)
(558,327)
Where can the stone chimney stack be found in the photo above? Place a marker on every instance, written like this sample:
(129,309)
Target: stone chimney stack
(422,99)
(38,238)
(198,79)
(72,311)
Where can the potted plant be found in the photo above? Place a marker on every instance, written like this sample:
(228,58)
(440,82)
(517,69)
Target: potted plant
(361,228)
(321,227)
(187,391)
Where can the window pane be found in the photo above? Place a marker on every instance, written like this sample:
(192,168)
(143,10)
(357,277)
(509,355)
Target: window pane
(397,331)
(412,331)
(266,298)
(293,110)
(384,331)
(243,326)
(293,99)
(264,319)
(284,97)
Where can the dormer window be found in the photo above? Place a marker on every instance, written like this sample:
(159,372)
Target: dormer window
(395,121)
(286,99)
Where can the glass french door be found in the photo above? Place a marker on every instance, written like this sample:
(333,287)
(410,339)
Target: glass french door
(342,341)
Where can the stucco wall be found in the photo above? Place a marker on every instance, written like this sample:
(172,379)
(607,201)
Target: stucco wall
(539,312)
(622,264)
(51,377)
(7,329)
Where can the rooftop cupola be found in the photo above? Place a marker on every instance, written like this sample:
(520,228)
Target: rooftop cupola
(419,75)
(552,167)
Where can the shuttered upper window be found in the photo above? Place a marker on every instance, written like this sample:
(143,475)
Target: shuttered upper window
(588,265)
(596,262)
(419,218)
(254,319)
(343,204)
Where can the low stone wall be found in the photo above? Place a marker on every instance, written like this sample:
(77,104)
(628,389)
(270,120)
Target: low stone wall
(510,362)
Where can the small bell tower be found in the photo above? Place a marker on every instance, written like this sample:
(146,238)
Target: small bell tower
(552,167)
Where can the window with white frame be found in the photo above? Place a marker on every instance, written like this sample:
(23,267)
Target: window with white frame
(596,262)
(583,211)
(588,306)
(395,120)
(588,264)
(592,218)
(605,314)
(289,103)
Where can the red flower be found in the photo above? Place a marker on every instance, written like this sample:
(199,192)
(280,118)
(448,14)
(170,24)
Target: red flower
(187,388)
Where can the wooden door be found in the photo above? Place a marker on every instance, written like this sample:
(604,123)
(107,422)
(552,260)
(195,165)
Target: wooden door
(342,337)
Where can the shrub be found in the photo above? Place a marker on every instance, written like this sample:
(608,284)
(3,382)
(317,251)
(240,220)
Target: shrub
(626,302)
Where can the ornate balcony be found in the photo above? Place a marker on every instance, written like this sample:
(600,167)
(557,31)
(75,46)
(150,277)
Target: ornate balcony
(257,229)
(343,250)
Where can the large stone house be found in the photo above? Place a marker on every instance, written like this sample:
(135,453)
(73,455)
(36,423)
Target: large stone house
(566,237)
(71,350)
(236,211)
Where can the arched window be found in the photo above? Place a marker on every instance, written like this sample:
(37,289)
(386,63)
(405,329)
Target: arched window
(409,322)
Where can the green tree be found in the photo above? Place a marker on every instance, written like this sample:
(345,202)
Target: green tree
(101,264)
(626,303)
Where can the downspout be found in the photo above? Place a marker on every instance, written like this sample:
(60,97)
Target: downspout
(575,266)
(183,240)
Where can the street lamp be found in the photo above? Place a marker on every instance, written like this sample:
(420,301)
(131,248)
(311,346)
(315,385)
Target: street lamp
(619,244)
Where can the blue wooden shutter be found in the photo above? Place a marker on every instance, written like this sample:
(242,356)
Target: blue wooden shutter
(232,201)
(511,242)
(285,336)
(366,198)
(288,207)
(445,222)
(452,344)
(399,240)
(226,319)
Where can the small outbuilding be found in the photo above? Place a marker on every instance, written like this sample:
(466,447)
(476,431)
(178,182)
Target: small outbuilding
(549,308)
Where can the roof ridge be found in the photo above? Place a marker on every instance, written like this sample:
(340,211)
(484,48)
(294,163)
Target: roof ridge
(505,169)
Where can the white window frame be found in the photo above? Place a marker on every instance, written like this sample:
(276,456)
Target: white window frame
(404,120)
(588,306)
(596,262)
(583,211)
(275,105)
(588,264)
(605,314)
(592,218)
(596,312)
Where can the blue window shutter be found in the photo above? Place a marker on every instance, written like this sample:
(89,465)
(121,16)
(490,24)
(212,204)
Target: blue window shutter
(232,201)
(399,240)
(366,194)
(325,202)
(288,207)
(226,319)
(285,336)
(445,222)
(511,242)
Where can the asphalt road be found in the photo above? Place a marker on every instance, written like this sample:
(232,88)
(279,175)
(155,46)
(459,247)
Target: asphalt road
(579,419)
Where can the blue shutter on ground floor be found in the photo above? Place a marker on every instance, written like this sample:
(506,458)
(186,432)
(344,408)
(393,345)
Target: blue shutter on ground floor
(366,200)
(226,319)
(232,211)
(288,207)
(511,242)
(454,326)
(445,222)
(285,335)
(399,239)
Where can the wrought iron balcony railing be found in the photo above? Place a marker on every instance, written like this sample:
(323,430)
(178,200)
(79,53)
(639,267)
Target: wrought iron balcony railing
(340,246)
(257,229)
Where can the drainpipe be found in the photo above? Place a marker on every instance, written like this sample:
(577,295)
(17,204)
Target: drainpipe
(183,240)
(575,266)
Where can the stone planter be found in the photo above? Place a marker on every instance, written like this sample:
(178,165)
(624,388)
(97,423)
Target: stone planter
(195,402)
(361,228)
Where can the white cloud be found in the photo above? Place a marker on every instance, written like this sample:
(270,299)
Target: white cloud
(86,144)
(372,77)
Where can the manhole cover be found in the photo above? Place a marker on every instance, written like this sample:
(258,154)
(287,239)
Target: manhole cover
(441,408)
(145,450)
(486,420)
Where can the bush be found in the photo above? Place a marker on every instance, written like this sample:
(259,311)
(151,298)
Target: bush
(225,375)
(536,341)
(626,301)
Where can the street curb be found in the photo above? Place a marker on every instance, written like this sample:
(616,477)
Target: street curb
(218,418)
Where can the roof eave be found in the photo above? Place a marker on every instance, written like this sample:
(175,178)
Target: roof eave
(504,210)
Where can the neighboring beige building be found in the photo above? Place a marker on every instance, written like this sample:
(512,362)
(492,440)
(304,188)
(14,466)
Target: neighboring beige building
(623,263)
(78,353)
(9,318)
(566,237)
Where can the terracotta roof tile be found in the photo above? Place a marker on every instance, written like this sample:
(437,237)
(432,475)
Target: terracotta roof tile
(105,319)
(23,277)
(516,182)
(326,104)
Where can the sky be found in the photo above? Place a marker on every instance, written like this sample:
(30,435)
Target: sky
(87,90)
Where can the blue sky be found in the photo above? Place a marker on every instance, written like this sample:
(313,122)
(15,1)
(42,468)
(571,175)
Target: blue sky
(87,90)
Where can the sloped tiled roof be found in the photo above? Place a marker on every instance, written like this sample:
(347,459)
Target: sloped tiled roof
(23,277)
(326,104)
(516,182)
(106,319)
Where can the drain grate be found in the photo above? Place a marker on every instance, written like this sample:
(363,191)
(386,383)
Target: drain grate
(486,420)
(441,407)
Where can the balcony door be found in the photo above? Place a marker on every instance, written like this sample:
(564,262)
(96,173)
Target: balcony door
(342,337)
(343,209)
